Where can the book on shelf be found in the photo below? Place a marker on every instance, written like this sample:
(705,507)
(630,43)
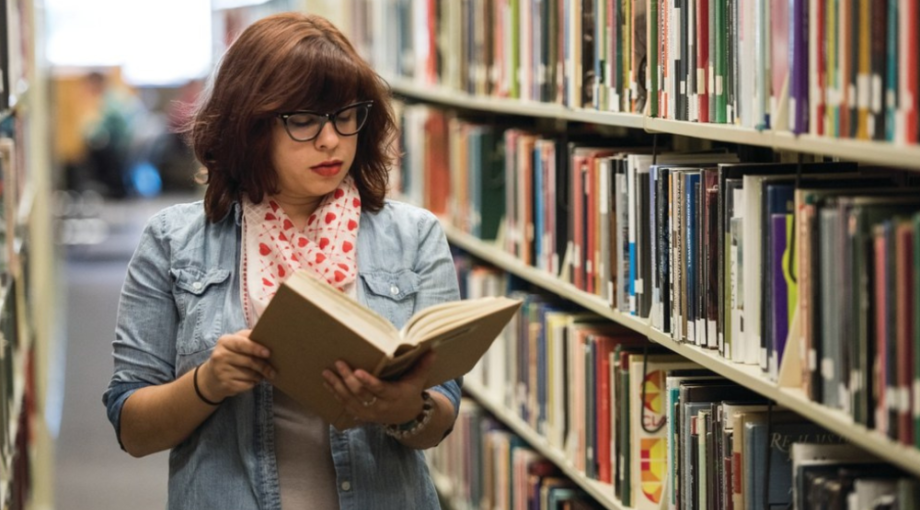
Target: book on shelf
(775,439)
(458,332)
(648,414)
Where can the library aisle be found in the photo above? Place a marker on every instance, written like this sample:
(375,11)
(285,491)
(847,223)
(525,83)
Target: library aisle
(92,473)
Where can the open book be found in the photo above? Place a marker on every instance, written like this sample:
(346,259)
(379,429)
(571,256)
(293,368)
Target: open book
(309,325)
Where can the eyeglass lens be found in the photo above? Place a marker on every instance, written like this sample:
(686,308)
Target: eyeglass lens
(306,126)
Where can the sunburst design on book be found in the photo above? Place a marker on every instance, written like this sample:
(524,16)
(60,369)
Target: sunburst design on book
(653,450)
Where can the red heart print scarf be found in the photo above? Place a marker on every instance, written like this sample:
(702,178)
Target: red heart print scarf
(273,248)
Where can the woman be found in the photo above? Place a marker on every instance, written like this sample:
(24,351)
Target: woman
(294,139)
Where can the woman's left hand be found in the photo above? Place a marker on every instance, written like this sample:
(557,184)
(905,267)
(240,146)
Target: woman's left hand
(372,400)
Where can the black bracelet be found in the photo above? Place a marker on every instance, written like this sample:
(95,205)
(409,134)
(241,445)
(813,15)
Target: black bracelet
(198,391)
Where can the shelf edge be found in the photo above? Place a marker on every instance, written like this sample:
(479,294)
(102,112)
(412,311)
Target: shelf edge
(746,375)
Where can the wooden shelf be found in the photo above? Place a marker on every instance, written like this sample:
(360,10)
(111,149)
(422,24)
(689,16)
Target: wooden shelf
(602,492)
(750,376)
(880,153)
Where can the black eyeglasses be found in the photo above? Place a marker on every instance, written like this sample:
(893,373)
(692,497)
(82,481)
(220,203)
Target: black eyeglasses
(304,125)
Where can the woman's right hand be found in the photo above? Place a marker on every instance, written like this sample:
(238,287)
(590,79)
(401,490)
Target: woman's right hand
(237,364)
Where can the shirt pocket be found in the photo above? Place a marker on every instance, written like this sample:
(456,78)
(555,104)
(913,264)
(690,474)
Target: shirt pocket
(392,294)
(200,296)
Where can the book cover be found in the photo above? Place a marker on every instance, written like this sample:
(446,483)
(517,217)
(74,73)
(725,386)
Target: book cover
(777,199)
(729,239)
(905,323)
(861,214)
(703,63)
(915,338)
(909,31)
(862,68)
(648,429)
(460,332)
(737,291)
(639,61)
(879,74)
(695,396)
(893,69)
(710,258)
(664,215)
(778,299)
(691,255)
(644,247)
(827,346)
(799,55)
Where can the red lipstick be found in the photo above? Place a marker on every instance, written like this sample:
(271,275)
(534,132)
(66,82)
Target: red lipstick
(328,168)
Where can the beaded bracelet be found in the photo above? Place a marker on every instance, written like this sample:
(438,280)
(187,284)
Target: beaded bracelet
(412,428)
(198,391)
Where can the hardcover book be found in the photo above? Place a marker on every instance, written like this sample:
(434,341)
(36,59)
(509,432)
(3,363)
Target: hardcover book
(309,325)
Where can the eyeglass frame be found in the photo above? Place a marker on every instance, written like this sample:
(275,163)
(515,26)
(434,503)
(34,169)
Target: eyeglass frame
(326,118)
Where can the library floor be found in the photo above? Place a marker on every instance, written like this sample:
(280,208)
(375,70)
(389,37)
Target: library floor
(92,473)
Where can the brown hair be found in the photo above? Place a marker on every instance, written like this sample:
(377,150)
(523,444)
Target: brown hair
(283,63)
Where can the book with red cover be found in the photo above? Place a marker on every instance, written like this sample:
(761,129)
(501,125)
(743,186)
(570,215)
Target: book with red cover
(905,324)
(910,28)
(437,185)
(577,215)
(591,220)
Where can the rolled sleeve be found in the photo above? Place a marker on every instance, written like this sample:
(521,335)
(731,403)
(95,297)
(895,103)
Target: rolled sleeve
(144,349)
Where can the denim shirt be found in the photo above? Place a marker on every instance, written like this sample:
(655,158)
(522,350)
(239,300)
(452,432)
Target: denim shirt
(182,292)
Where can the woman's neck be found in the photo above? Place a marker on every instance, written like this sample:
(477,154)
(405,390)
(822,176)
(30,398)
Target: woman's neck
(298,209)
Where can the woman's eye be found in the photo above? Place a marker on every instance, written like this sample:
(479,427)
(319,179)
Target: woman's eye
(302,122)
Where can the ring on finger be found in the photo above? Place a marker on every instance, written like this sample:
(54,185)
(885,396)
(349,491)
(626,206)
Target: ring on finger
(368,403)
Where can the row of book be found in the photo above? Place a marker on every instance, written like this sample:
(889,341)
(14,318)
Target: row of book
(16,377)
(488,466)
(16,403)
(658,428)
(16,48)
(841,69)
(14,180)
(812,267)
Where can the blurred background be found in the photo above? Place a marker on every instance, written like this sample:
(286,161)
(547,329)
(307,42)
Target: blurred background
(120,77)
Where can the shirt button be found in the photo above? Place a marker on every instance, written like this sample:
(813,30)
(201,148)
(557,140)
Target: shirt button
(394,290)
(346,485)
(196,285)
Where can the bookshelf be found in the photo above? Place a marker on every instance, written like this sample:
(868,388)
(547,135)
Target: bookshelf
(29,277)
(879,153)
(528,60)
(746,375)
(449,97)
(601,492)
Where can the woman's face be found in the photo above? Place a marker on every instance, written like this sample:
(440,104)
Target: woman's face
(313,169)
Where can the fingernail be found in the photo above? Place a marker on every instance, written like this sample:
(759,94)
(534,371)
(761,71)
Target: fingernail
(266,353)
(340,365)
